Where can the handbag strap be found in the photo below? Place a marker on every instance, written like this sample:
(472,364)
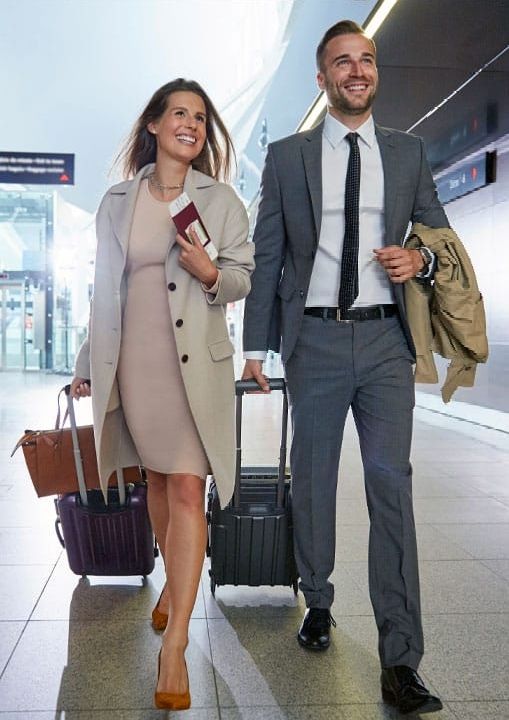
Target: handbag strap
(66,414)
(28,433)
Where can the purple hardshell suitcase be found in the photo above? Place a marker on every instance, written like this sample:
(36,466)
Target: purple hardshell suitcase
(100,539)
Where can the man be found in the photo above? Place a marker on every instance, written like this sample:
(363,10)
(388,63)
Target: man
(328,288)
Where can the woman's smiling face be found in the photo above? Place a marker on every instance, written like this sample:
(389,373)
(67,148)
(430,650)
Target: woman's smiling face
(181,131)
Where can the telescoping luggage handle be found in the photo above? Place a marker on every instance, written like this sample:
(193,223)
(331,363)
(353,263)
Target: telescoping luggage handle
(78,461)
(249,386)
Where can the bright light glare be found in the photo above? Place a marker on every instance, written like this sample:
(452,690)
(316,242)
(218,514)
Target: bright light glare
(379,17)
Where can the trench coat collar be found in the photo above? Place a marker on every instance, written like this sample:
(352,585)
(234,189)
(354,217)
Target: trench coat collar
(123,199)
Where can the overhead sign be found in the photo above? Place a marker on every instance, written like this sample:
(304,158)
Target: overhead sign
(36,168)
(467,177)
(462,135)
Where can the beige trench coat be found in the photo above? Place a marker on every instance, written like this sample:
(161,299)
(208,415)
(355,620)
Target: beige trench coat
(208,374)
(446,317)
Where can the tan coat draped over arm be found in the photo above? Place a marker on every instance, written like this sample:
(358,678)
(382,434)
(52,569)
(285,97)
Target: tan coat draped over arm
(447,316)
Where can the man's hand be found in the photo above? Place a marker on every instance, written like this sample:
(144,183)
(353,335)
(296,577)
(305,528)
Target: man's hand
(253,370)
(399,263)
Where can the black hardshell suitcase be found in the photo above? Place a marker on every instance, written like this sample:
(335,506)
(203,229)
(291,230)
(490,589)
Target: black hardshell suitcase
(251,540)
(100,539)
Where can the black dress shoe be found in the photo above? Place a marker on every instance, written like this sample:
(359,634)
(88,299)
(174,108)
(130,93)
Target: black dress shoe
(314,631)
(403,688)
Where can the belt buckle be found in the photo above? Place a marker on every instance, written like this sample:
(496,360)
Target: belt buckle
(340,319)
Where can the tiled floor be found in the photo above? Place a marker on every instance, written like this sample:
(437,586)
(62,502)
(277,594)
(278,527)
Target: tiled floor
(75,649)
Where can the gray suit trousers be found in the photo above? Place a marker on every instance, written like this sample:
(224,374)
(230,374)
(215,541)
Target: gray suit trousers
(366,366)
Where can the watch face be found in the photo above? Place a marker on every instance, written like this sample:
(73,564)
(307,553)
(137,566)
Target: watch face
(426,255)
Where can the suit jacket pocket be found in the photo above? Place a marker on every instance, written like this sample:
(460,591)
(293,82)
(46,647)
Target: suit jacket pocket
(221,349)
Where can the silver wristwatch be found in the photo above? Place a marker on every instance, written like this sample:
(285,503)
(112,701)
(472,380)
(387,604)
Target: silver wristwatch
(426,255)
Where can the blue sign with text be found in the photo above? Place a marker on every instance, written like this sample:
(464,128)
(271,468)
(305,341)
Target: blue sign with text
(36,168)
(467,177)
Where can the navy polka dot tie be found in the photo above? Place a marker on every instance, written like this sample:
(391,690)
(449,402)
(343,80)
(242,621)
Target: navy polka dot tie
(349,283)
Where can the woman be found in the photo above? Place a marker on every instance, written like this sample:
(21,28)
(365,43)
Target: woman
(158,352)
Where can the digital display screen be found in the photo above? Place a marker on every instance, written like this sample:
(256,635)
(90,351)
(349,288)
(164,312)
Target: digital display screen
(462,135)
(36,168)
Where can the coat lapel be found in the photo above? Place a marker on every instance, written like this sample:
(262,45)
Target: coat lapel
(312,155)
(196,181)
(122,204)
(390,168)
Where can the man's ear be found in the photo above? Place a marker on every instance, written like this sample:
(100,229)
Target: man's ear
(320,79)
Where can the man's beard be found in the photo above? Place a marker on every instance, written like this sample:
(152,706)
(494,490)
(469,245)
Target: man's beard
(344,105)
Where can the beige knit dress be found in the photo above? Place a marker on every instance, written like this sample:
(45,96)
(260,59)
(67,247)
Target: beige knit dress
(150,382)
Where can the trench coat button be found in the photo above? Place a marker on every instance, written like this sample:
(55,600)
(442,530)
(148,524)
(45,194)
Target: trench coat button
(185,358)
(301,293)
(179,323)
(172,286)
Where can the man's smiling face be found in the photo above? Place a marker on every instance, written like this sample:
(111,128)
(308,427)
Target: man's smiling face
(349,75)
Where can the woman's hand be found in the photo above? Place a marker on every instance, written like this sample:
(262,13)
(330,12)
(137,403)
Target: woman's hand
(80,388)
(195,260)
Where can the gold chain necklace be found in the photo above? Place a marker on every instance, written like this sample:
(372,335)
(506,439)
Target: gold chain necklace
(163,188)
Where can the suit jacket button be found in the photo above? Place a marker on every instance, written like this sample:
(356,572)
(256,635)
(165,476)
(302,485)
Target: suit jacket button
(301,293)
(172,286)
(185,358)
(179,323)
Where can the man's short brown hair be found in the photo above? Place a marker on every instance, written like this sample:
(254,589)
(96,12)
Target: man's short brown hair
(343,27)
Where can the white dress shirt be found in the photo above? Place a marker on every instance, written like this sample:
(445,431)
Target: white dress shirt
(374,284)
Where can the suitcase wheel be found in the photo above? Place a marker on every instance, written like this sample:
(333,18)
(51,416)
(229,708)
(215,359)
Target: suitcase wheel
(212,584)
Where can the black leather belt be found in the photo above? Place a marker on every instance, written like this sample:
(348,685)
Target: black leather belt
(372,312)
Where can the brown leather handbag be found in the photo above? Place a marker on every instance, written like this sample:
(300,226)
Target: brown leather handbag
(49,457)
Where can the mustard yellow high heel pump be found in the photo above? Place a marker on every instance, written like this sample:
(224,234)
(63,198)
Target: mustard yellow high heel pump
(170,701)
(159,619)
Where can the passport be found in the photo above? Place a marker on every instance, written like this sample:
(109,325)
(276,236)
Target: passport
(186,216)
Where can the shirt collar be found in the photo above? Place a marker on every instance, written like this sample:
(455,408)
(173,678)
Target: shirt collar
(335,131)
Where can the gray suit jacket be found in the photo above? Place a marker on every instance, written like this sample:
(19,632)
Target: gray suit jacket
(288,227)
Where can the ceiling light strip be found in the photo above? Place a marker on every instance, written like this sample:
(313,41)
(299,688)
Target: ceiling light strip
(378,17)
(459,89)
